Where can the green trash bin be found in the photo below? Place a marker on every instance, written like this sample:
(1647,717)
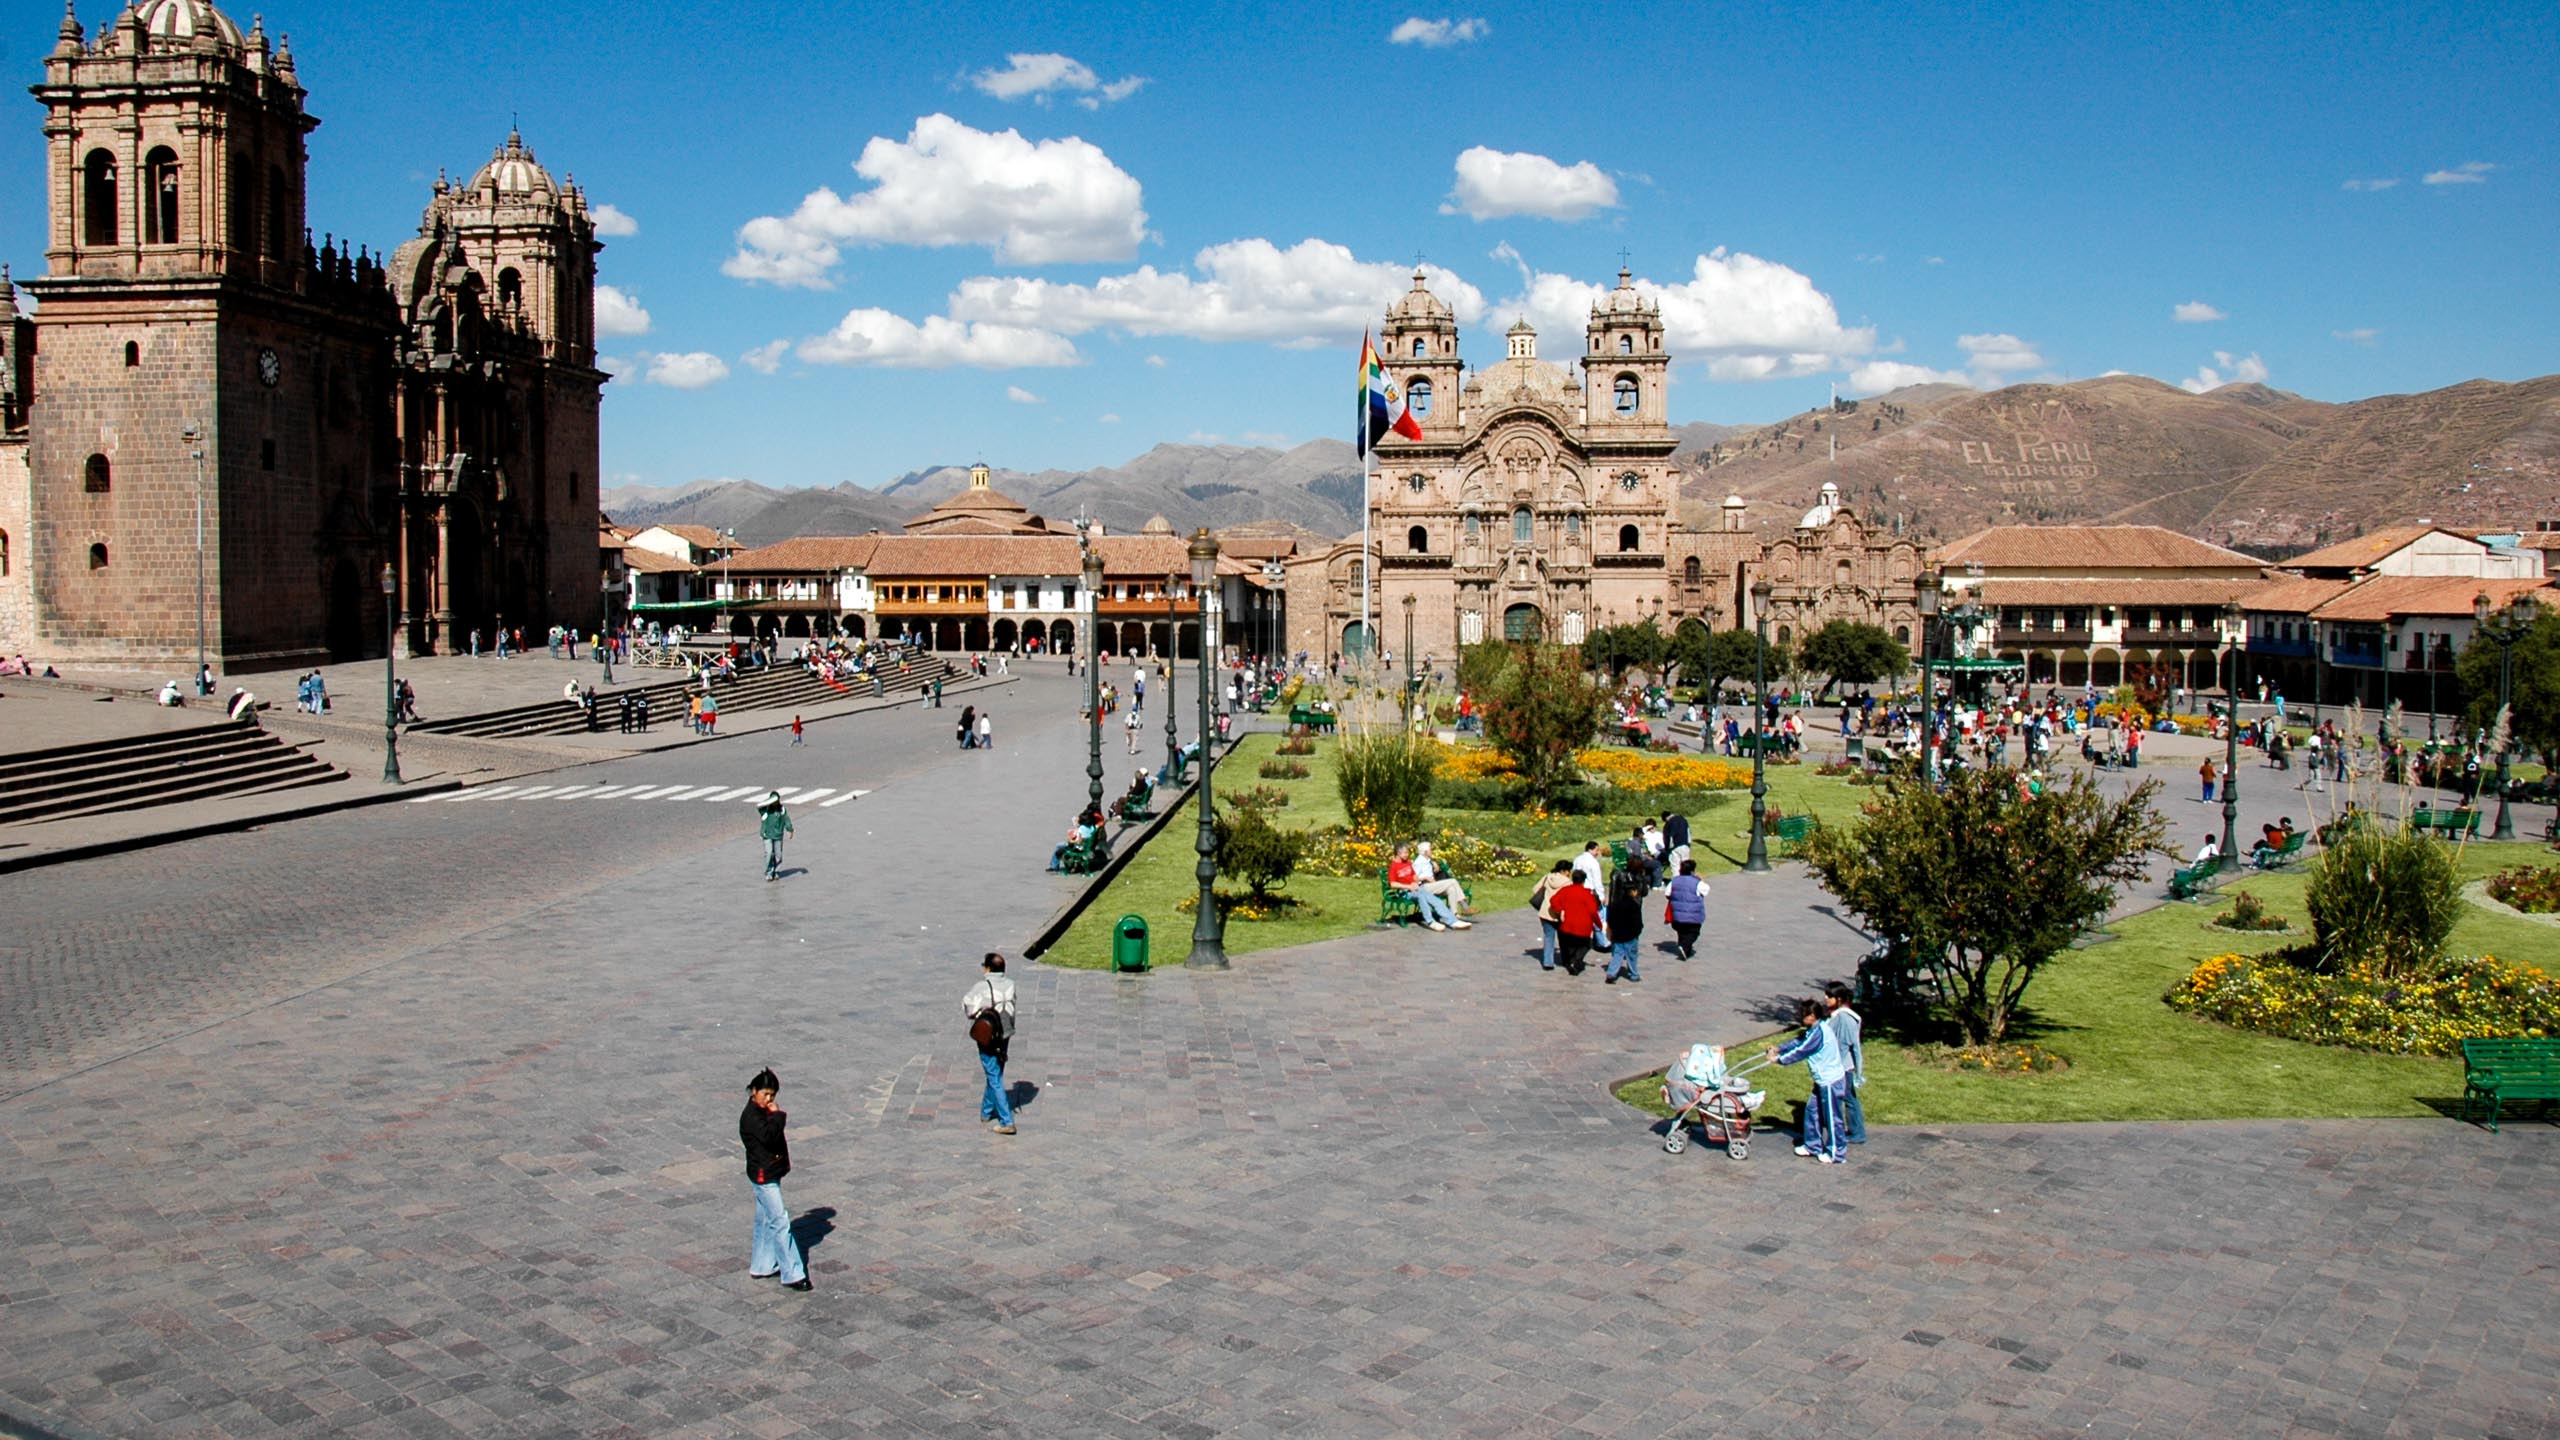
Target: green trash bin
(1129,943)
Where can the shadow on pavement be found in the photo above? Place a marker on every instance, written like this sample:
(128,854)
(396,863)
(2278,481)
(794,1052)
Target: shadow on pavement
(814,1227)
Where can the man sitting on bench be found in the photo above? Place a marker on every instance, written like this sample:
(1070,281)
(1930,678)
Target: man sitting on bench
(2277,836)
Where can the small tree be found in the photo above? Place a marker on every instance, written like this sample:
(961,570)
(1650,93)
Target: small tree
(2534,718)
(1543,709)
(1619,648)
(1254,850)
(1386,776)
(1987,887)
(1848,652)
(1480,667)
(1726,655)
(2387,900)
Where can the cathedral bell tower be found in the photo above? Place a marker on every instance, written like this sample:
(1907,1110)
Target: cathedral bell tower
(1625,371)
(1419,347)
(174,147)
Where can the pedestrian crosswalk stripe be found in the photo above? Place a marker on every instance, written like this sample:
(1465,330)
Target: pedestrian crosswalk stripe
(808,797)
(612,792)
(657,792)
(848,795)
(740,793)
(573,792)
(487,793)
(696,793)
(538,791)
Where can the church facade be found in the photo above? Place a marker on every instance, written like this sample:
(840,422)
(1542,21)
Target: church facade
(1543,504)
(216,426)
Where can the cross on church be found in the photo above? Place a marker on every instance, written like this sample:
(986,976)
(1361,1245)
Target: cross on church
(1623,254)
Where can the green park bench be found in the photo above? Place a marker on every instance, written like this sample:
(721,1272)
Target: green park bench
(1793,830)
(2496,1071)
(2282,855)
(1302,718)
(1395,905)
(1084,859)
(2448,823)
(1137,805)
(2188,883)
(1748,743)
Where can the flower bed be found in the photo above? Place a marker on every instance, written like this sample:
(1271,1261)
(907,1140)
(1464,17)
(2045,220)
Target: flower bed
(1282,770)
(2533,889)
(1633,770)
(2428,1013)
(1260,797)
(1356,852)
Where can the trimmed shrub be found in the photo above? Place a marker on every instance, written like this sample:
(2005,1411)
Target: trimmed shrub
(1253,850)
(2382,901)
(1386,777)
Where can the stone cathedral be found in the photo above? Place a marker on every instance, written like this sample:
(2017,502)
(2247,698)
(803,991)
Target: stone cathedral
(1542,504)
(194,351)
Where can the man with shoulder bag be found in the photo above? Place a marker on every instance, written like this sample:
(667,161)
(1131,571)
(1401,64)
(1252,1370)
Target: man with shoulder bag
(990,1008)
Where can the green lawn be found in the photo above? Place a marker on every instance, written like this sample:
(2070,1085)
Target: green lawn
(1162,876)
(2134,1058)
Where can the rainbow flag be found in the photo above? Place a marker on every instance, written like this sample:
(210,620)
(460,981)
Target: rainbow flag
(1382,406)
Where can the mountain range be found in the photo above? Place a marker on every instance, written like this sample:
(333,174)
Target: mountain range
(2243,465)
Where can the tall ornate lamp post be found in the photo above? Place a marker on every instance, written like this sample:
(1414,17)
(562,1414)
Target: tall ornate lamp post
(1756,859)
(195,452)
(1930,596)
(2505,632)
(1172,651)
(390,679)
(1208,932)
(1092,654)
(1412,668)
(2232,617)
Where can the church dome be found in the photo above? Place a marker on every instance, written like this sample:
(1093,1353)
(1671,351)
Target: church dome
(1156,525)
(179,22)
(1419,303)
(1827,505)
(513,170)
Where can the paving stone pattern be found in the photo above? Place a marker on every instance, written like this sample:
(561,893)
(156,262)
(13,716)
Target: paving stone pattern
(489,1186)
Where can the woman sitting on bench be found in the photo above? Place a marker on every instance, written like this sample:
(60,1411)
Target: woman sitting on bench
(2276,837)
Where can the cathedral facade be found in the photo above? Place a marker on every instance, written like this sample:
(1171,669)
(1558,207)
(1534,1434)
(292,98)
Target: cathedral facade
(1543,504)
(218,427)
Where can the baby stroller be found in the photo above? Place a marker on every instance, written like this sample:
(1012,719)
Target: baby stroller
(1718,1101)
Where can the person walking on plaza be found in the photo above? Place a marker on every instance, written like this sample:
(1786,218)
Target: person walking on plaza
(1819,1052)
(1542,901)
(1849,1032)
(1626,928)
(1686,908)
(795,730)
(990,1008)
(2207,772)
(772,1254)
(1577,912)
(773,823)
(986,730)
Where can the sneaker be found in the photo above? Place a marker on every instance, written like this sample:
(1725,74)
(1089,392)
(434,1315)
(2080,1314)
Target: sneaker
(1802,1150)
(800,1284)
(1462,925)
(1433,925)
(1832,1159)
(1004,1130)
(762,1274)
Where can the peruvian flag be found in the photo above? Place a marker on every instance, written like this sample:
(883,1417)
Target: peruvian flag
(1382,405)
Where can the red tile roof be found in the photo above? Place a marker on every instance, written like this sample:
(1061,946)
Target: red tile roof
(2386,596)
(650,562)
(974,556)
(808,554)
(2128,592)
(2093,547)
(2365,550)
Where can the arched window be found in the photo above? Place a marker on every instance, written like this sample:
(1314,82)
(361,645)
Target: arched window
(1628,538)
(1691,571)
(4,554)
(132,354)
(98,198)
(97,477)
(1417,393)
(1573,527)
(1418,540)
(1475,527)
(98,556)
(1902,634)
(1421,347)
(1786,634)
(160,197)
(1628,394)
(1841,574)
(279,237)
(1520,531)
(1626,344)
(510,288)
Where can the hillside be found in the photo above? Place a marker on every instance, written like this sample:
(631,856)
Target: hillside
(2245,464)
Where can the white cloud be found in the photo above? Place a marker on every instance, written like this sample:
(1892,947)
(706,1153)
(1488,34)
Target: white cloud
(2196,312)
(2364,335)
(947,184)
(1999,354)
(2232,370)
(1020,396)
(766,359)
(1935,260)
(1492,184)
(1437,33)
(1312,292)
(1866,259)
(878,338)
(2382,183)
(1107,418)
(618,313)
(1156,360)
(611,222)
(1038,77)
(2469,172)
(1877,376)
(693,370)
(1749,318)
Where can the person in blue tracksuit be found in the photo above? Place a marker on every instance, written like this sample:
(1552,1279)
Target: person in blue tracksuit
(1819,1052)
(1850,1033)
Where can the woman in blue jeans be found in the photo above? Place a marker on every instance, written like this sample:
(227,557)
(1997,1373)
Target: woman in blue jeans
(773,1254)
(1626,927)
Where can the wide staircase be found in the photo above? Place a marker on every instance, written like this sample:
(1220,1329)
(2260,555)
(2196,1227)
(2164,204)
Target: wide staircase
(780,687)
(202,762)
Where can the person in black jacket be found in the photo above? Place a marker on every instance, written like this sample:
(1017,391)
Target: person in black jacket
(1626,927)
(773,1253)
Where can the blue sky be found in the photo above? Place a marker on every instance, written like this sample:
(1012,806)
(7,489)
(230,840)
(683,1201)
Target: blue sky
(1169,223)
